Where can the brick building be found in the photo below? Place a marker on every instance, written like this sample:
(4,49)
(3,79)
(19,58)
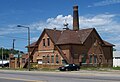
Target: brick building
(80,46)
(17,60)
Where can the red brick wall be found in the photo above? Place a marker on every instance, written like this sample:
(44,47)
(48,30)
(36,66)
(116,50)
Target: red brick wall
(46,50)
(74,52)
(41,47)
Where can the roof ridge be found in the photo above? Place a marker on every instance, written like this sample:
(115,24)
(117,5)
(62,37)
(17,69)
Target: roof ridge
(52,29)
(86,29)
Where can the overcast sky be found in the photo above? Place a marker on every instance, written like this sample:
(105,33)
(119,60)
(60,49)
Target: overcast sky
(104,15)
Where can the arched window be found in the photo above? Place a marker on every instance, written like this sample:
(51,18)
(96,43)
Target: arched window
(44,61)
(48,59)
(43,42)
(95,59)
(57,59)
(48,41)
(52,59)
(84,56)
(90,59)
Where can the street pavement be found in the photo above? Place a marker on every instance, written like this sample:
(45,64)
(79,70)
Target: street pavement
(10,80)
(74,76)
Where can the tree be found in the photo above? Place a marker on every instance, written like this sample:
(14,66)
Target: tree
(6,53)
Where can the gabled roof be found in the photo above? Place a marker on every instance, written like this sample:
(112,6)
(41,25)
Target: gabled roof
(68,37)
(53,34)
(59,37)
(32,44)
(74,37)
(84,33)
(107,43)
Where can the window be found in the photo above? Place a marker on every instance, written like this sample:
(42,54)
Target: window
(57,60)
(90,58)
(12,58)
(48,41)
(84,58)
(75,56)
(52,59)
(64,62)
(43,42)
(23,60)
(48,59)
(95,59)
(44,61)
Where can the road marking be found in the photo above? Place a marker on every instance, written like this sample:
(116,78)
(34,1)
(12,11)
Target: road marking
(27,80)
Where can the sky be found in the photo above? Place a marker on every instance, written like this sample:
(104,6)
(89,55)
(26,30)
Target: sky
(104,15)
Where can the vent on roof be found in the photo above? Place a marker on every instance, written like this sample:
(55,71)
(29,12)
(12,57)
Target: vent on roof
(66,25)
(54,28)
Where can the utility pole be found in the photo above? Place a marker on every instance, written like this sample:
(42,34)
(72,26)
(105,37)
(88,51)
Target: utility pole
(2,57)
(19,59)
(28,28)
(13,46)
(28,49)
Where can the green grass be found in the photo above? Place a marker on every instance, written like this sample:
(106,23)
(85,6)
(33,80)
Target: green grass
(89,68)
(116,68)
(100,68)
(47,69)
(96,68)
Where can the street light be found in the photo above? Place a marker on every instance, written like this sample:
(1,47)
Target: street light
(28,44)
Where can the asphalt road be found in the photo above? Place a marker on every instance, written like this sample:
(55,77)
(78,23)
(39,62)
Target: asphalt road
(75,76)
(9,80)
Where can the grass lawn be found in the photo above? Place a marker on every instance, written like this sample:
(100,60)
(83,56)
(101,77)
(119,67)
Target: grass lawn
(100,68)
(116,68)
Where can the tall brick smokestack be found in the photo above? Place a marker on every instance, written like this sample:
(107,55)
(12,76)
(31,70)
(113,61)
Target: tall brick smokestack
(75,18)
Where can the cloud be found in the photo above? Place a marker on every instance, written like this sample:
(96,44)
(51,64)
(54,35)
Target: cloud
(34,39)
(105,2)
(51,23)
(106,25)
(103,22)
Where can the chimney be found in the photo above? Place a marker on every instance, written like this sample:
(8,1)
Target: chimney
(75,18)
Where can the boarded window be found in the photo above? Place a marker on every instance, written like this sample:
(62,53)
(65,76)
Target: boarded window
(84,58)
(95,59)
(52,59)
(48,59)
(43,42)
(23,60)
(57,60)
(44,59)
(48,41)
(64,62)
(90,59)
(12,58)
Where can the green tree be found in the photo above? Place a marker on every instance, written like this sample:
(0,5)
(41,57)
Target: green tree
(6,53)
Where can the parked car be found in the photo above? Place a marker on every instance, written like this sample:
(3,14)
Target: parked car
(69,67)
(4,65)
